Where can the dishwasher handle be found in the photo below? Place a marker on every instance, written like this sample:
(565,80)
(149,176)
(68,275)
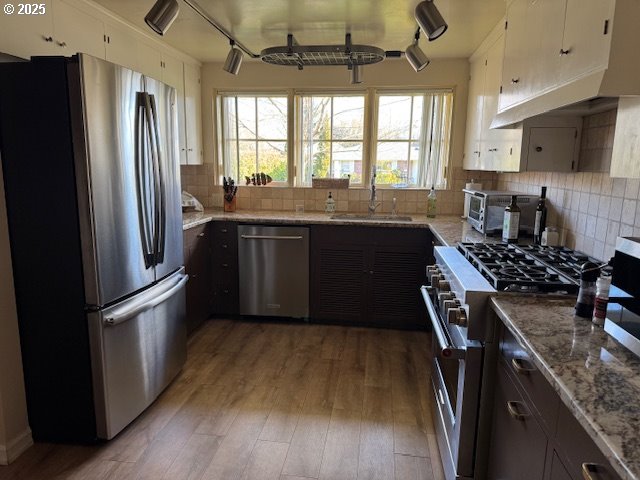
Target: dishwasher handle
(271,237)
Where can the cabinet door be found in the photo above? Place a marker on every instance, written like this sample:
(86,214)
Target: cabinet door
(198,266)
(395,278)
(518,443)
(149,61)
(557,470)
(492,139)
(122,46)
(193,119)
(173,74)
(552,149)
(76,31)
(515,54)
(27,35)
(544,27)
(474,115)
(224,259)
(587,37)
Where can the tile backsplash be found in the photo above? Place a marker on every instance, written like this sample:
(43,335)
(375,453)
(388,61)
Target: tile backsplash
(199,181)
(590,209)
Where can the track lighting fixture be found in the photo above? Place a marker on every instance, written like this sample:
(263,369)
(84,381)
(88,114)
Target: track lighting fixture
(356,74)
(162,15)
(234,60)
(415,56)
(430,20)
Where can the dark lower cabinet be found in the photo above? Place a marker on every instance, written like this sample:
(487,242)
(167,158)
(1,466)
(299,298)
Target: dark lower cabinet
(197,255)
(518,443)
(368,275)
(224,261)
(534,435)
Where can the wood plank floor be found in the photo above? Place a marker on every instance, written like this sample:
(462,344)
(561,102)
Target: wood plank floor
(272,401)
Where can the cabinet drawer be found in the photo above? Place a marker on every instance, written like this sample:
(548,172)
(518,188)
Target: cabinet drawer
(579,448)
(518,443)
(541,394)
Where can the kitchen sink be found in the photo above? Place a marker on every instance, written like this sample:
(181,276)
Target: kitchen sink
(364,216)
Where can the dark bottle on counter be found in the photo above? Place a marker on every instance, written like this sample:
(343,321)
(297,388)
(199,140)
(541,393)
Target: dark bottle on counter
(541,217)
(511,222)
(587,294)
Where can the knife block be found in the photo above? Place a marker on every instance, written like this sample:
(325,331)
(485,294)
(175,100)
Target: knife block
(230,206)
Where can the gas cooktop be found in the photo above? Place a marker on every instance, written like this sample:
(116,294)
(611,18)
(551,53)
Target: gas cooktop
(527,268)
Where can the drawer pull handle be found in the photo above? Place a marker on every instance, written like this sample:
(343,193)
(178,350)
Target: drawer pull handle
(224,245)
(225,265)
(515,80)
(201,234)
(515,411)
(194,275)
(225,291)
(223,230)
(520,366)
(594,471)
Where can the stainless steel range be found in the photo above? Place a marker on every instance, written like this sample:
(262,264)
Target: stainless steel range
(459,286)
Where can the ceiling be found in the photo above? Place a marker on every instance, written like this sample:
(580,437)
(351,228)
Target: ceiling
(259,24)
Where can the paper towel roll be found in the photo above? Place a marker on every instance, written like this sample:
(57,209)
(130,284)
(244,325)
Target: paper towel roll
(467,197)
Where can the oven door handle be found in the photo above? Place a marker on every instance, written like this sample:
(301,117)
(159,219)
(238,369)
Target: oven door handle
(447,350)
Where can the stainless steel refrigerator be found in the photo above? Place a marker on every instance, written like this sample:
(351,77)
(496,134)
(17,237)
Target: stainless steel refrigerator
(90,160)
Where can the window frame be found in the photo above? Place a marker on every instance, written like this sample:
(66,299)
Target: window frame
(294,125)
(220,139)
(299,94)
(380,92)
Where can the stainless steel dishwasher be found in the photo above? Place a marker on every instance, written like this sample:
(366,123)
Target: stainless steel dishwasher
(274,270)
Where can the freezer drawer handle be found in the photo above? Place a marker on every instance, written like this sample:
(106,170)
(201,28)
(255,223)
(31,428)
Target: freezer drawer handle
(122,317)
(270,237)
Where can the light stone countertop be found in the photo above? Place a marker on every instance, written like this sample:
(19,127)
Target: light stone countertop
(448,229)
(596,377)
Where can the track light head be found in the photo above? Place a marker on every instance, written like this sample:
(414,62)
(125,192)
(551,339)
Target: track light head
(162,15)
(416,57)
(234,61)
(430,20)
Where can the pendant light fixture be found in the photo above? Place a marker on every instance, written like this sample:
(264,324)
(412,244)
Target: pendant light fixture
(162,15)
(430,20)
(415,56)
(356,74)
(234,60)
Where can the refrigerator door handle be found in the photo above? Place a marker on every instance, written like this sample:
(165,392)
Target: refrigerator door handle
(142,178)
(160,217)
(147,302)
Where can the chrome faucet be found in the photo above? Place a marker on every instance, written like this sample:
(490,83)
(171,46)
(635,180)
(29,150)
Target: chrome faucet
(372,199)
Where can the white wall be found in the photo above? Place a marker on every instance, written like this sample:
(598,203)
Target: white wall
(389,73)
(15,435)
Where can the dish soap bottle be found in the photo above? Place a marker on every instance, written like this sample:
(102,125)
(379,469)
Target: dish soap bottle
(431,203)
(511,221)
(330,204)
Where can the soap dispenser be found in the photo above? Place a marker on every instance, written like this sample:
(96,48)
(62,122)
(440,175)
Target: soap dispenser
(330,204)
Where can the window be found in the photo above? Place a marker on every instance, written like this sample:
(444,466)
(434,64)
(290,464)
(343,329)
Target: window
(405,135)
(331,136)
(254,136)
(412,142)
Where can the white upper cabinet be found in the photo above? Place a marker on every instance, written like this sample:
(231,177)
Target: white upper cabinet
(149,60)
(586,42)
(121,46)
(565,52)
(474,115)
(193,119)
(28,35)
(76,31)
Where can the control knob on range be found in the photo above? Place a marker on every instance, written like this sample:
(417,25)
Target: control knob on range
(449,304)
(432,270)
(457,316)
(444,286)
(434,279)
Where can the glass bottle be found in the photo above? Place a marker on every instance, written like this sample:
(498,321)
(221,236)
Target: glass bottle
(587,294)
(541,217)
(603,284)
(431,203)
(511,221)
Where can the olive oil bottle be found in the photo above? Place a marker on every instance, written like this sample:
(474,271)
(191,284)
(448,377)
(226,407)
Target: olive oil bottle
(511,222)
(541,217)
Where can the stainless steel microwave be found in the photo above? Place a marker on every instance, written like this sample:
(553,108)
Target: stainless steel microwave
(486,210)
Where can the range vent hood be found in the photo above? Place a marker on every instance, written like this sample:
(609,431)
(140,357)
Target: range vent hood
(602,71)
